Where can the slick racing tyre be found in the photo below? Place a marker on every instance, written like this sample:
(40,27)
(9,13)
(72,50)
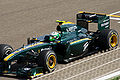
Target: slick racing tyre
(5,50)
(108,39)
(47,60)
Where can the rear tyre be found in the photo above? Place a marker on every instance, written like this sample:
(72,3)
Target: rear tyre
(47,60)
(5,50)
(108,39)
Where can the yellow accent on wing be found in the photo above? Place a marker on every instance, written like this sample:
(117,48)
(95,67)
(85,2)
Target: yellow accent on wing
(6,59)
(68,23)
(5,72)
(58,21)
(39,74)
(34,38)
(16,51)
(36,75)
(80,40)
(92,13)
(99,13)
(64,22)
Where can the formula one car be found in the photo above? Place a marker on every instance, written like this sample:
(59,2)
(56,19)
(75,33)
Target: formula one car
(69,42)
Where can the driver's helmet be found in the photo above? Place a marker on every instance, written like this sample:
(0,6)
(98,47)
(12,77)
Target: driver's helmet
(54,36)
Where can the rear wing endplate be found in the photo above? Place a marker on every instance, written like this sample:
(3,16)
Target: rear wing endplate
(103,20)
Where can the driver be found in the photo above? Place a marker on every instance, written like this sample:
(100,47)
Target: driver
(54,36)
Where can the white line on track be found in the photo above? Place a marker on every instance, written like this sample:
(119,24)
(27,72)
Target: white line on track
(114,18)
(92,70)
(114,14)
(109,75)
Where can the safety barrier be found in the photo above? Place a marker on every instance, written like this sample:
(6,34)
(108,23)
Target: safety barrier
(87,68)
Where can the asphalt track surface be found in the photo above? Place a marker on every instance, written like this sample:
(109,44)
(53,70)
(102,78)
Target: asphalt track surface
(20,19)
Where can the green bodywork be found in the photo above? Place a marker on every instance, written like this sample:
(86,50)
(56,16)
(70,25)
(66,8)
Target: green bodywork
(73,37)
(70,44)
(74,40)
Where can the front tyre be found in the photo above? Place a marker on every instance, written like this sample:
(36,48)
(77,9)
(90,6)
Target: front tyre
(108,38)
(47,60)
(5,50)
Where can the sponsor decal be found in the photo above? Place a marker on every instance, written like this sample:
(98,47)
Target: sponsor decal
(71,40)
(71,29)
(85,46)
(46,48)
(105,24)
(106,20)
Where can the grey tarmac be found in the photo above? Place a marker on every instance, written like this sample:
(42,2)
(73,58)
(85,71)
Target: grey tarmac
(20,19)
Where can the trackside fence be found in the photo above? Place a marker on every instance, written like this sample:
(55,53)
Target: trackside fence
(87,68)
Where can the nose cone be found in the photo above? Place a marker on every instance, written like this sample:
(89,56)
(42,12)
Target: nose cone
(8,57)
(23,51)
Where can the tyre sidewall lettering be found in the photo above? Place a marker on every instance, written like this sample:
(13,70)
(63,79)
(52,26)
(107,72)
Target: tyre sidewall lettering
(7,49)
(47,62)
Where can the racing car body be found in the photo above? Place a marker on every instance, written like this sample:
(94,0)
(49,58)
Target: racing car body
(75,40)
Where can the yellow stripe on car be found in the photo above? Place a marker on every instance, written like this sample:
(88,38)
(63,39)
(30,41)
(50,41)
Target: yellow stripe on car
(80,40)
(30,46)
(6,59)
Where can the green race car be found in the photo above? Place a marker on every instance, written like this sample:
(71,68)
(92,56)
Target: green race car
(69,42)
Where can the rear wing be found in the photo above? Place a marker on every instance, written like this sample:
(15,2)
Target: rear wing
(103,20)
